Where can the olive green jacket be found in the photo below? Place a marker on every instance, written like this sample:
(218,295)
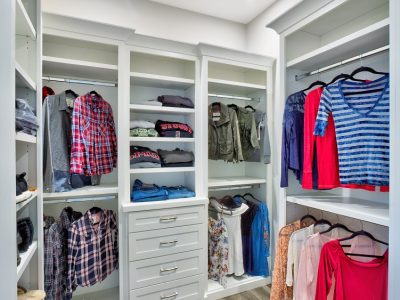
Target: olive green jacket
(223,135)
(248,132)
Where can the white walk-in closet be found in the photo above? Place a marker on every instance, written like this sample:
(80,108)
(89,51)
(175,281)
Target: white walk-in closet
(187,150)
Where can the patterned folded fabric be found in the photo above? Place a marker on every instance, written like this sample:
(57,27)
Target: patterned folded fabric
(143,132)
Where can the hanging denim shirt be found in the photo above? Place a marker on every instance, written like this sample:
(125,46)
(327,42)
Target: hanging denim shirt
(292,137)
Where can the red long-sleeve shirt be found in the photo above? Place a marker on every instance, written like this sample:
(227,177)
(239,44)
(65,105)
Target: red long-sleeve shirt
(353,279)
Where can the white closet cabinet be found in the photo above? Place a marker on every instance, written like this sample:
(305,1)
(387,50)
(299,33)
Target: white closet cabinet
(319,40)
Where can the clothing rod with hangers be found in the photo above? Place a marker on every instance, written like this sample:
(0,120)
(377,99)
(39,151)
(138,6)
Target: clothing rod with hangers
(341,63)
(79,81)
(72,200)
(233,97)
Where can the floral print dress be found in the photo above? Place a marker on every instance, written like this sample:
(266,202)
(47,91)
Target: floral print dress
(217,250)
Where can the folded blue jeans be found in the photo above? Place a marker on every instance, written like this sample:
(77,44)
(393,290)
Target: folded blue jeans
(142,193)
(176,192)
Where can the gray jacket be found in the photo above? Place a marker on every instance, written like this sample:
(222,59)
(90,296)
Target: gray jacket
(56,134)
(223,134)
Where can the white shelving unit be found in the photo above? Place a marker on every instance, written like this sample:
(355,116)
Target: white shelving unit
(88,191)
(107,294)
(229,87)
(24,203)
(234,181)
(23,80)
(161,109)
(26,138)
(374,212)
(162,139)
(24,24)
(160,81)
(26,258)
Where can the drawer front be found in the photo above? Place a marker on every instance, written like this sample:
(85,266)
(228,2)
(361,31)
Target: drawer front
(182,289)
(152,271)
(149,244)
(166,218)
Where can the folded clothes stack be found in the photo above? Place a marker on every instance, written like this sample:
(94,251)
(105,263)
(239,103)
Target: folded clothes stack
(175,101)
(151,102)
(143,157)
(173,129)
(25,118)
(142,192)
(176,158)
(142,128)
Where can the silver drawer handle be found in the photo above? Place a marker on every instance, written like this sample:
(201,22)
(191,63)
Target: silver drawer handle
(168,219)
(169,243)
(169,269)
(170,296)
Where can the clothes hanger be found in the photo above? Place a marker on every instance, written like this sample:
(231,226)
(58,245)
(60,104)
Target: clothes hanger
(308,216)
(251,195)
(363,233)
(322,222)
(233,106)
(69,91)
(344,77)
(94,93)
(250,107)
(337,225)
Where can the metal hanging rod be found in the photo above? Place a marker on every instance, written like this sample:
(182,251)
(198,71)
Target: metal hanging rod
(335,65)
(240,187)
(78,81)
(73,200)
(233,97)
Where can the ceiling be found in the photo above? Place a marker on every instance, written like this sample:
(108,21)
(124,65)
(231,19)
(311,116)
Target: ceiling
(242,11)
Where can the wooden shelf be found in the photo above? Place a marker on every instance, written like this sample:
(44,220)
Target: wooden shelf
(107,294)
(162,139)
(161,109)
(235,285)
(24,203)
(87,191)
(364,40)
(26,259)
(150,205)
(160,81)
(23,25)
(162,170)
(364,210)
(227,87)
(234,181)
(25,138)
(22,78)
(72,68)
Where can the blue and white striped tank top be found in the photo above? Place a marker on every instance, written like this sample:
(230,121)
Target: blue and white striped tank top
(362,129)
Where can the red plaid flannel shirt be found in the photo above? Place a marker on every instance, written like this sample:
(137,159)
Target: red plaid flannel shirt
(94,143)
(92,252)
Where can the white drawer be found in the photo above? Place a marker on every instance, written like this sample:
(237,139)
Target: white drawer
(165,218)
(148,244)
(152,271)
(182,289)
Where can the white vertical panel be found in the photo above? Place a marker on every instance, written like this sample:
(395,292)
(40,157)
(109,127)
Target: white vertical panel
(8,257)
(394,204)
(123,163)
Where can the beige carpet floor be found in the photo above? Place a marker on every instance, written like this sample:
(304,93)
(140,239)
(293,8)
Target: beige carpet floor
(261,293)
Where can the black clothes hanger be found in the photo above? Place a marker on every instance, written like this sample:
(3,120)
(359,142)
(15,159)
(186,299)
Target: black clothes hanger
(94,93)
(308,216)
(363,233)
(344,77)
(95,210)
(322,222)
(250,195)
(69,91)
(233,106)
(366,69)
(250,107)
(337,225)
(315,83)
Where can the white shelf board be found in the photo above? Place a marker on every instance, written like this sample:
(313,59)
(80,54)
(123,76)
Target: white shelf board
(22,78)
(235,285)
(26,258)
(228,87)
(234,181)
(107,294)
(369,38)
(162,139)
(22,204)
(162,170)
(25,138)
(161,109)
(150,205)
(23,24)
(87,191)
(160,81)
(73,68)
(364,210)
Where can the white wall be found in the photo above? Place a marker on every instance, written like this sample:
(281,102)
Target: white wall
(153,19)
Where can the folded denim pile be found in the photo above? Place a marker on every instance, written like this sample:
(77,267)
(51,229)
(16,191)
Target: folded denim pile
(176,158)
(142,192)
(25,118)
(143,157)
(175,101)
(143,128)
